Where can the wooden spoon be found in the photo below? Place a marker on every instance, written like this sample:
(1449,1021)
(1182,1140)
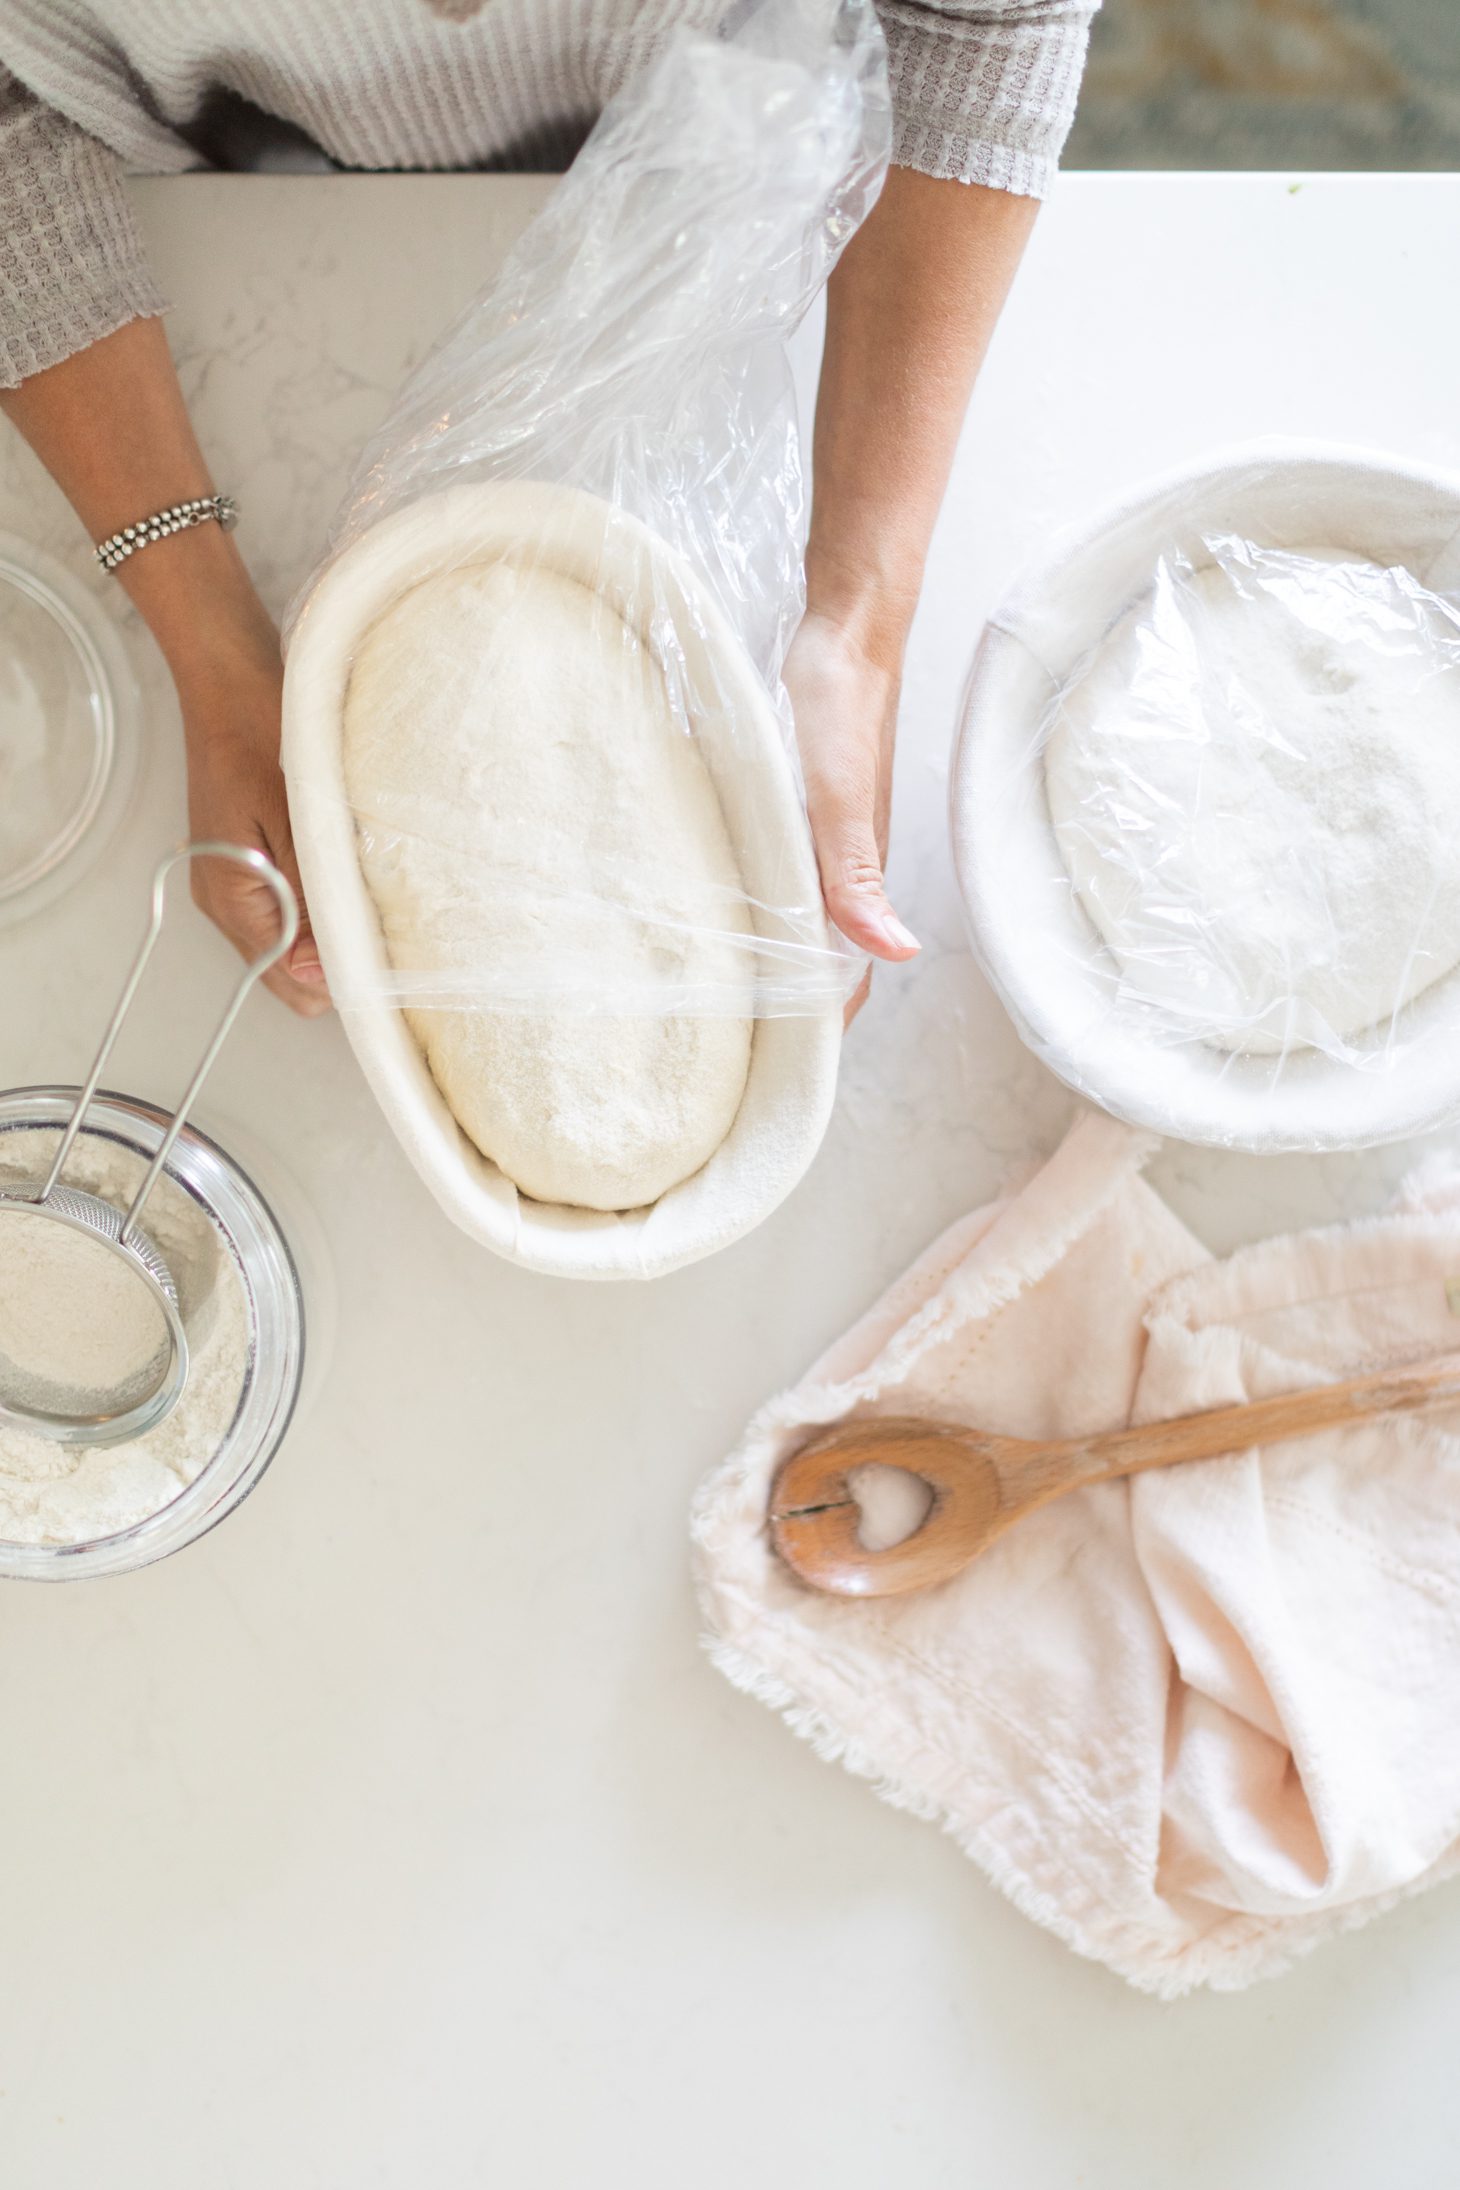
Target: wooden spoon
(981,1485)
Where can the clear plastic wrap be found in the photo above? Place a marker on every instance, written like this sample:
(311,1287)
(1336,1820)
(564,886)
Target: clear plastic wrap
(1254,782)
(545,645)
(1207,816)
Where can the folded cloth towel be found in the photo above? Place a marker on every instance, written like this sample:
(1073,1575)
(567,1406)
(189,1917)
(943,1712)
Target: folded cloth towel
(1192,1722)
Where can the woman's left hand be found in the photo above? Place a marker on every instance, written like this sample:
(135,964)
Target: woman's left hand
(909,312)
(844,690)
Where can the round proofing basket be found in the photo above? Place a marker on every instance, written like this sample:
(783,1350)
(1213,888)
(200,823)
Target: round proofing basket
(1035,942)
(792,1079)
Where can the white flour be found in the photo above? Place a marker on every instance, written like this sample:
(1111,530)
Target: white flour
(106,1347)
(1257,795)
(66,1494)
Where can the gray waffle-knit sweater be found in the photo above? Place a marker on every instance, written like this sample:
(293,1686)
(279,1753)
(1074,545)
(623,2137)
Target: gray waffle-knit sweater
(983,91)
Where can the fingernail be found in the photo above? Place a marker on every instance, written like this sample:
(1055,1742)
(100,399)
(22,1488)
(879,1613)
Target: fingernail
(304,963)
(897,934)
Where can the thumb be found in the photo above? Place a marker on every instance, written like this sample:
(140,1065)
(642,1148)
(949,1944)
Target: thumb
(302,963)
(247,909)
(851,878)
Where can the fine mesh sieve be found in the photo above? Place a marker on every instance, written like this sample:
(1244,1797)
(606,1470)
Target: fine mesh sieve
(151,1388)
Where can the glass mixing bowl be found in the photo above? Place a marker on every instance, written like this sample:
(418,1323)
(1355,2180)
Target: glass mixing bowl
(250,1235)
(68,728)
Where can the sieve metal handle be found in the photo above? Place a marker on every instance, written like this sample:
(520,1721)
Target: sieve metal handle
(255,969)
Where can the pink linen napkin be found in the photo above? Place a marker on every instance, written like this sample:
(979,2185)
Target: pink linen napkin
(1193,1722)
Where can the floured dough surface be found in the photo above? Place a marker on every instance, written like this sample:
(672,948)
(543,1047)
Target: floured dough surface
(530,808)
(1256,793)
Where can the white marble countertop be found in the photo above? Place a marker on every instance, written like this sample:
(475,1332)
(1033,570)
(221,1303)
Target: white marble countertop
(398,1833)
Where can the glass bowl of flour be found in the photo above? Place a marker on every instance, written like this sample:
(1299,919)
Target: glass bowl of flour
(1206,802)
(67,1512)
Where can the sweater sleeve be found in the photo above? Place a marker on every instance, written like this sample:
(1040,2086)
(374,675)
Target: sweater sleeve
(983,91)
(71,263)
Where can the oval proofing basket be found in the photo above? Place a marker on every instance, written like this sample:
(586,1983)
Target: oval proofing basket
(792,1078)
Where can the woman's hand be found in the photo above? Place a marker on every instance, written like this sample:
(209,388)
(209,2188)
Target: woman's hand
(910,310)
(843,690)
(230,698)
(110,425)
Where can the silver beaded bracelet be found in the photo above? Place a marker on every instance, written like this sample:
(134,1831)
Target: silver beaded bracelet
(204,508)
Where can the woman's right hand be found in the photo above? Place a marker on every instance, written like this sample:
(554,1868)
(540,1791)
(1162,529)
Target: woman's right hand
(230,700)
(110,425)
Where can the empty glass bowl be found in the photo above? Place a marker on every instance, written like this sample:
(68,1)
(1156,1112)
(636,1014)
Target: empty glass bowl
(68,728)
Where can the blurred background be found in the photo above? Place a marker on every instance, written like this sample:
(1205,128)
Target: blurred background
(1288,84)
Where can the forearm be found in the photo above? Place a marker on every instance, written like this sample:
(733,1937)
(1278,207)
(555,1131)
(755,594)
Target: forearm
(111,427)
(910,311)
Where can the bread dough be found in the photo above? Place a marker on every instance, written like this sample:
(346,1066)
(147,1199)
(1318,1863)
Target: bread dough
(532,812)
(1255,788)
